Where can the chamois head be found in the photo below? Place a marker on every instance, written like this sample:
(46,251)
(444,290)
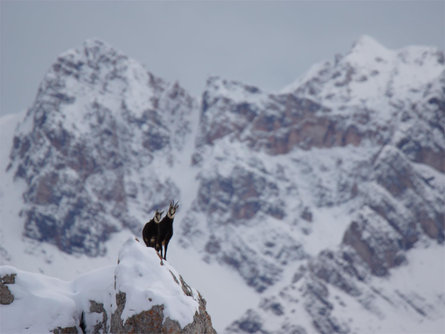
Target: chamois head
(172,209)
(158,216)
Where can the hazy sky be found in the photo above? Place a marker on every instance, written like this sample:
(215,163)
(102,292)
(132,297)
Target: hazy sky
(267,44)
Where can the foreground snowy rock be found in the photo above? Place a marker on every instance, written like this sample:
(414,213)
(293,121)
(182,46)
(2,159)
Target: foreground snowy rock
(137,295)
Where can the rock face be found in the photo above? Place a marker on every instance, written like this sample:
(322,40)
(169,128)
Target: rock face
(347,137)
(391,197)
(340,175)
(98,122)
(155,299)
(6,297)
(153,320)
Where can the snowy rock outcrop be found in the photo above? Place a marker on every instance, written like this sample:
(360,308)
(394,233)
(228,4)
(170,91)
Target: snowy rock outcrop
(6,297)
(138,295)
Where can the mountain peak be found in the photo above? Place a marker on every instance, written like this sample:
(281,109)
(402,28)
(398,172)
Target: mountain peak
(238,91)
(366,46)
(368,42)
(98,47)
(96,43)
(91,51)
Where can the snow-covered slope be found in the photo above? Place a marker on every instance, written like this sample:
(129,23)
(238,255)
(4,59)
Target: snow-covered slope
(137,293)
(371,75)
(308,202)
(332,171)
(410,300)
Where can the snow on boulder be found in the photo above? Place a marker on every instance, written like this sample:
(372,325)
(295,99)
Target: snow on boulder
(151,295)
(40,304)
(138,295)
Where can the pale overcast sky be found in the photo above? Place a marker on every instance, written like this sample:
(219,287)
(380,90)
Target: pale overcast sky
(267,44)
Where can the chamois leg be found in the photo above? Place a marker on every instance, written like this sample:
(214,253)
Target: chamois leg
(161,248)
(158,249)
(165,250)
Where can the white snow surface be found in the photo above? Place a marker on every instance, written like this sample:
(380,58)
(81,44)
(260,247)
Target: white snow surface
(369,76)
(224,290)
(421,281)
(147,283)
(43,303)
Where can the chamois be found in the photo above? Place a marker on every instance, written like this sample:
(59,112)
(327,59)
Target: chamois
(151,231)
(166,228)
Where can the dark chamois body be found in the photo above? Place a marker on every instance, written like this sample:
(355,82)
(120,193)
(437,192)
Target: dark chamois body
(151,231)
(166,229)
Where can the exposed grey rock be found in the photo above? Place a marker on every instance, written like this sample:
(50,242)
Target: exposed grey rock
(6,296)
(154,321)
(65,330)
(101,326)
(251,322)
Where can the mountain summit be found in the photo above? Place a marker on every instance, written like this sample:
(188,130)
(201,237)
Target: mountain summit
(367,45)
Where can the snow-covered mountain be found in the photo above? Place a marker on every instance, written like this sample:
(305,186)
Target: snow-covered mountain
(320,197)
(87,146)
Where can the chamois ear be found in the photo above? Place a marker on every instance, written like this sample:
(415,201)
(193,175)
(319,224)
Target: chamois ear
(176,205)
